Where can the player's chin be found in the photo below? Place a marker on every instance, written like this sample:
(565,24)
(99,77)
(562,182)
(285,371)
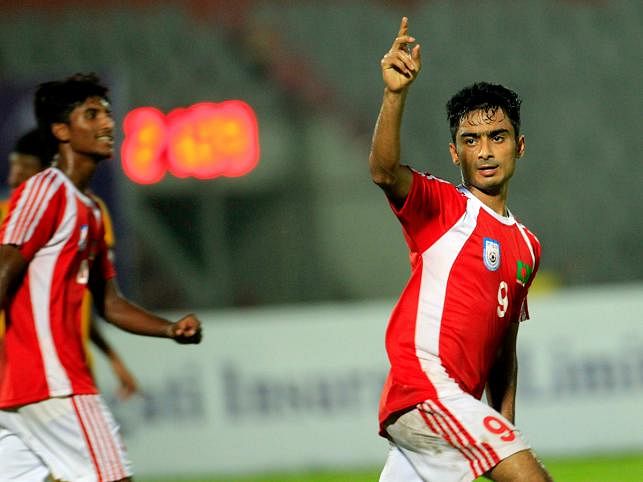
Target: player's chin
(103,154)
(490,186)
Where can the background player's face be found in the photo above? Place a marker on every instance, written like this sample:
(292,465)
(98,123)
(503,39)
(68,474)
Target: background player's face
(91,129)
(21,168)
(486,150)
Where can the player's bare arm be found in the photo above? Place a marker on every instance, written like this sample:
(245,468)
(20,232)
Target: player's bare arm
(400,67)
(503,378)
(12,267)
(121,312)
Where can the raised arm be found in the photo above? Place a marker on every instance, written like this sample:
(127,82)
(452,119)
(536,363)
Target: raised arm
(118,310)
(503,378)
(400,66)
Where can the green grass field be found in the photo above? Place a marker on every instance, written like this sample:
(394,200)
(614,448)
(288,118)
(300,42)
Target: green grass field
(625,468)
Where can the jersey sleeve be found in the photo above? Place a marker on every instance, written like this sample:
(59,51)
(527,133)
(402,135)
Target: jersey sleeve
(430,208)
(34,213)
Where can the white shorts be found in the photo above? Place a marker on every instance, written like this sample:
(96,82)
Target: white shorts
(17,462)
(454,439)
(73,439)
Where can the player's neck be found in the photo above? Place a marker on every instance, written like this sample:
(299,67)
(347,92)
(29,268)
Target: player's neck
(77,167)
(496,201)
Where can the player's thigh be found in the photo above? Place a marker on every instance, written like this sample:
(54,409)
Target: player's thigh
(455,438)
(398,468)
(77,438)
(522,466)
(427,452)
(17,461)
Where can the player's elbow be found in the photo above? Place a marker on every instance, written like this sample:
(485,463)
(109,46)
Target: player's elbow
(380,175)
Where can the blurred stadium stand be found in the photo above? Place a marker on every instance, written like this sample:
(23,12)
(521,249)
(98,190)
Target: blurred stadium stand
(307,224)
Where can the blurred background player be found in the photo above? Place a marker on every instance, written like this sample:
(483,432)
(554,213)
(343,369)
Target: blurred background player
(31,154)
(52,247)
(453,331)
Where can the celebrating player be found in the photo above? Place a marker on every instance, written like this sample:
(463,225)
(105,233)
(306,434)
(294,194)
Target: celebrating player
(52,247)
(31,154)
(453,331)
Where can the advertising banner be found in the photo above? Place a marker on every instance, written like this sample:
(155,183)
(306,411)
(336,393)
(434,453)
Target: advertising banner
(298,387)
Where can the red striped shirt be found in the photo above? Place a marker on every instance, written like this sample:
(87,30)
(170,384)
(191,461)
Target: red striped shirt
(60,232)
(471,269)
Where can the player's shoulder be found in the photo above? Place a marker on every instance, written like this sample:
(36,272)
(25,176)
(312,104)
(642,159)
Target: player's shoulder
(43,184)
(528,231)
(48,173)
(533,239)
(435,182)
(427,176)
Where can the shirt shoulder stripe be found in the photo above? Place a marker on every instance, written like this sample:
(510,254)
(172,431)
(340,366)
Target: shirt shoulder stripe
(22,208)
(429,176)
(30,206)
(38,205)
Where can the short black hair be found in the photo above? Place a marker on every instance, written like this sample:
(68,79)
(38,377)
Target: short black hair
(35,143)
(54,101)
(487,97)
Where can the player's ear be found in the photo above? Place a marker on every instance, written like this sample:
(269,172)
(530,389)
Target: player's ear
(520,147)
(454,154)
(60,130)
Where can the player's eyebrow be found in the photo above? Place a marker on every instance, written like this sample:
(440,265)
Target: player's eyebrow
(477,135)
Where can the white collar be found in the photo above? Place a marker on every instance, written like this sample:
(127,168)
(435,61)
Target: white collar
(508,219)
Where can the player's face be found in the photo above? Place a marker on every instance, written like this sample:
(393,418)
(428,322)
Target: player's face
(91,129)
(486,150)
(21,168)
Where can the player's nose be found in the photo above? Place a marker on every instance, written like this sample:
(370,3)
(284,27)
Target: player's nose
(106,121)
(485,151)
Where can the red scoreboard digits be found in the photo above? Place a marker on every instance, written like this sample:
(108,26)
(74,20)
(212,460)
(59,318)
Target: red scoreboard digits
(204,141)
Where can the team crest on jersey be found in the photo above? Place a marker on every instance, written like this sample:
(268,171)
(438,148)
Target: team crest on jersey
(82,238)
(491,254)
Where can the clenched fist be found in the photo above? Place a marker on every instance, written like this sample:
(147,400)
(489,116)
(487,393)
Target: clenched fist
(186,331)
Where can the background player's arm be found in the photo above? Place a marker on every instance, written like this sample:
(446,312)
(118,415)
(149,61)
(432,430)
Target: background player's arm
(503,378)
(399,69)
(128,385)
(118,310)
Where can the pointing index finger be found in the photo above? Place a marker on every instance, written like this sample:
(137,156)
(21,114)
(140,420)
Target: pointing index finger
(403,38)
(404,26)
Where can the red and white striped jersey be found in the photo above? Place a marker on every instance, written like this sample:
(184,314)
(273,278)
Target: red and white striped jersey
(471,269)
(60,232)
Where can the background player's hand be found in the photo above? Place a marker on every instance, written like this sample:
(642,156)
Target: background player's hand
(127,383)
(187,330)
(402,64)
